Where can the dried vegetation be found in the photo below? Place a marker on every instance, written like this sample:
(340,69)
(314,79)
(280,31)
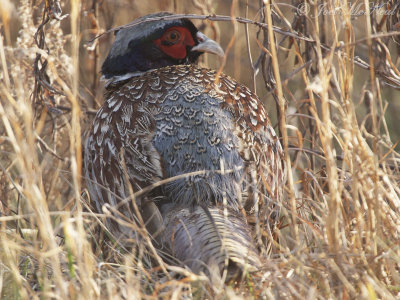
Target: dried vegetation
(330,76)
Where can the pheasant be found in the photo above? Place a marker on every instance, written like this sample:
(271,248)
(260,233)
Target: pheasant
(191,150)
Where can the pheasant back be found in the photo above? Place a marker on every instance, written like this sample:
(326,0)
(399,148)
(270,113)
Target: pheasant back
(188,150)
(184,120)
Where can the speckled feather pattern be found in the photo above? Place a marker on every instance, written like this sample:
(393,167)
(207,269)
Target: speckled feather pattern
(181,119)
(178,120)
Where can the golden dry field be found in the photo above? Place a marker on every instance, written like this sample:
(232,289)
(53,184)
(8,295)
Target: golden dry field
(330,81)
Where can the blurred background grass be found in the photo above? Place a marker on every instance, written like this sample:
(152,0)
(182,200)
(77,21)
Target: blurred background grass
(344,241)
(99,16)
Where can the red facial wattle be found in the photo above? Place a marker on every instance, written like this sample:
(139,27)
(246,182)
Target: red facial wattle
(175,41)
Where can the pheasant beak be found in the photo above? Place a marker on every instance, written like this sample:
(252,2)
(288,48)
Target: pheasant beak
(207,45)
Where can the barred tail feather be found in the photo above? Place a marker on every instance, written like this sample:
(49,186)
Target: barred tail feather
(199,242)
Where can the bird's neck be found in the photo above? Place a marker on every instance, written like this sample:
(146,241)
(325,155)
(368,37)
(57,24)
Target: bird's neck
(117,79)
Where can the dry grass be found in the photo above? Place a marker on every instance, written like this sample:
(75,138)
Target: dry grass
(340,231)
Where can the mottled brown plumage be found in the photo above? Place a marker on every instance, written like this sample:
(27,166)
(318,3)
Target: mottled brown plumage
(187,122)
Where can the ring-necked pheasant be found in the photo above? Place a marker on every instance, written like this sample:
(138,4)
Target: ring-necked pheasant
(201,140)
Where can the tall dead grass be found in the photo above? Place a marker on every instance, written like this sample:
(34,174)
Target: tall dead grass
(334,77)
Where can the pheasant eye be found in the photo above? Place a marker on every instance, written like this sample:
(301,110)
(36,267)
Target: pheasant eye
(172,36)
